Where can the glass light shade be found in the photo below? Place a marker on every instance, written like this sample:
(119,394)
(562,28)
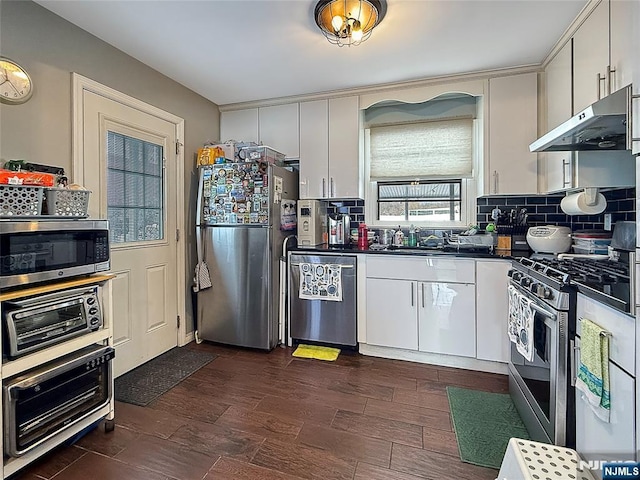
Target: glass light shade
(349,22)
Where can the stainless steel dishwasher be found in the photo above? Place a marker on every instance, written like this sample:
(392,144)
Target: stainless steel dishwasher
(326,313)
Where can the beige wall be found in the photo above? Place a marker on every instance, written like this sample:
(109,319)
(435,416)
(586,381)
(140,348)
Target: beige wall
(50,48)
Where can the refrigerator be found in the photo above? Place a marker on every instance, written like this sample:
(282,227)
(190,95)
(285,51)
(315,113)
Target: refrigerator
(244,213)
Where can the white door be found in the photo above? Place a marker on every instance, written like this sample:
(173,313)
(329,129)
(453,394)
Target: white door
(129,163)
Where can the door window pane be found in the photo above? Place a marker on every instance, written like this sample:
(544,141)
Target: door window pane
(135,189)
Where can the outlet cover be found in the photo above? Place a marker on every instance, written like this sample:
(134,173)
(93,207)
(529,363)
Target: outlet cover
(607,221)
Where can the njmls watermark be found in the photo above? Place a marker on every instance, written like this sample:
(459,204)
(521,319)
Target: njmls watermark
(607,469)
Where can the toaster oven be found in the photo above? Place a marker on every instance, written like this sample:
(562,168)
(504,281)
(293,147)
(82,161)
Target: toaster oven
(43,402)
(36,322)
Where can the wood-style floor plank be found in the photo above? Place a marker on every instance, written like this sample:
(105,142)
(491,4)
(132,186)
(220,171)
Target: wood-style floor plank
(260,423)
(303,461)
(376,427)
(166,457)
(297,409)
(427,417)
(365,471)
(346,445)
(218,440)
(230,469)
(421,399)
(432,465)
(96,467)
(147,420)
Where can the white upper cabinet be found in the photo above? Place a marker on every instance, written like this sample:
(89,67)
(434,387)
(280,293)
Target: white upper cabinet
(330,149)
(635,65)
(314,148)
(622,49)
(590,58)
(239,125)
(559,99)
(276,126)
(513,111)
(279,127)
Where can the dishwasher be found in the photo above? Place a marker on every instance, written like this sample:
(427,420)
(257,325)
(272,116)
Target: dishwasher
(322,299)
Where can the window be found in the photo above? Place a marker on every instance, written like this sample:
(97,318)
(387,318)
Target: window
(421,161)
(417,202)
(135,189)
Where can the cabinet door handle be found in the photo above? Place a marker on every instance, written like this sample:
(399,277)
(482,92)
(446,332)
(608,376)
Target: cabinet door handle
(610,85)
(495,181)
(631,121)
(333,191)
(324,189)
(422,289)
(600,79)
(412,300)
(565,164)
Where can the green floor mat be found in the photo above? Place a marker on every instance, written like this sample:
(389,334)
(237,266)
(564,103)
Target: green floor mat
(484,422)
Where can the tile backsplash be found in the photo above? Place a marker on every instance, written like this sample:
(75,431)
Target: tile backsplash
(542,209)
(353,208)
(545,209)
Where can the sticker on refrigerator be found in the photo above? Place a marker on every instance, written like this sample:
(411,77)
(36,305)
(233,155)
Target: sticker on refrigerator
(277,189)
(288,217)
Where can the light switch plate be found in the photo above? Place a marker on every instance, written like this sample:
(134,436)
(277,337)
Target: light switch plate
(607,221)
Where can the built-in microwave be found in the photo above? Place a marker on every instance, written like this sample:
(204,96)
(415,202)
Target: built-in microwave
(45,250)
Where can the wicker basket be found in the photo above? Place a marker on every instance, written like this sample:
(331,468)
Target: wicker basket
(20,200)
(66,203)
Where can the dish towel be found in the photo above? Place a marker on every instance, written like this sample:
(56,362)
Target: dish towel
(320,282)
(202,277)
(514,314)
(525,329)
(593,370)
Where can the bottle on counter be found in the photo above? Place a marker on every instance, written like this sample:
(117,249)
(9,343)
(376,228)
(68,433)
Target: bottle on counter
(363,236)
(399,237)
(413,236)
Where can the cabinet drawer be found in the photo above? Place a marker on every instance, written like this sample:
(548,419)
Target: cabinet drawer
(622,327)
(422,268)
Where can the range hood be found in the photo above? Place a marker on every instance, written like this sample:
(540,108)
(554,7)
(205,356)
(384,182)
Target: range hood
(601,126)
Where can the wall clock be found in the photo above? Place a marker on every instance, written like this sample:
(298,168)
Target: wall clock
(15,83)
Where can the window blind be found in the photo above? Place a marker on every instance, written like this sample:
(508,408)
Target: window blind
(422,150)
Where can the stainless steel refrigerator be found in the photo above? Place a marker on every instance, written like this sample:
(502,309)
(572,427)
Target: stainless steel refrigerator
(241,208)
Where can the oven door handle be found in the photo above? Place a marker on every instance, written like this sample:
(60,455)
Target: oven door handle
(544,312)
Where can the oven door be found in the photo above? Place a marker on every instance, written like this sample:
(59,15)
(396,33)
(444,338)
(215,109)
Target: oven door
(540,380)
(43,402)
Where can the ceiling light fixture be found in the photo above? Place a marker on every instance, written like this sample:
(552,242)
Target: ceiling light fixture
(349,22)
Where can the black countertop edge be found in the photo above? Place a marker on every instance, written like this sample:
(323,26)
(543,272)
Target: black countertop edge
(352,249)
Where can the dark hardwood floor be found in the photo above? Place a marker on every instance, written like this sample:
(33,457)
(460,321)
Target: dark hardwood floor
(252,415)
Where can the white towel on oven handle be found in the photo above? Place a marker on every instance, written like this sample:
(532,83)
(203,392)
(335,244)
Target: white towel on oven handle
(514,314)
(525,329)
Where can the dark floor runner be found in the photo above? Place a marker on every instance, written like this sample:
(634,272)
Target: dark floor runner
(147,382)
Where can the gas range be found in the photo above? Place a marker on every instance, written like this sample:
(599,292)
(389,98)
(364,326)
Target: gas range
(608,281)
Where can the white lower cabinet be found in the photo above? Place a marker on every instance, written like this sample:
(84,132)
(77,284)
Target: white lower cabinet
(421,303)
(492,310)
(392,319)
(446,320)
(613,440)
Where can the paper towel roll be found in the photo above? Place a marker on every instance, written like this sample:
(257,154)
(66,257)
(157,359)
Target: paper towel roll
(576,204)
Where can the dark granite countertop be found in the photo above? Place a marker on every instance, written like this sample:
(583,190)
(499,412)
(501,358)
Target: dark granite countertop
(416,251)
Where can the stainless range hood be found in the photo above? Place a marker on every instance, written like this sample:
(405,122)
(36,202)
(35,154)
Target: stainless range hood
(605,125)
